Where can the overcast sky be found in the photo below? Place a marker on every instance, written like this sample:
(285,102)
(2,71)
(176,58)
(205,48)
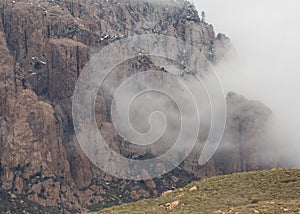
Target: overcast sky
(266,35)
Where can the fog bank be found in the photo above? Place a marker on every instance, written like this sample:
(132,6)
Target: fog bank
(265,36)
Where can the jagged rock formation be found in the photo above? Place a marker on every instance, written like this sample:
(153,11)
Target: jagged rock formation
(11,203)
(43,47)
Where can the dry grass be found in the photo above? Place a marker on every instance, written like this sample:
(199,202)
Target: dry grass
(273,191)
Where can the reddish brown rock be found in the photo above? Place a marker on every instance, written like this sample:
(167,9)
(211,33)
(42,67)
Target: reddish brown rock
(43,47)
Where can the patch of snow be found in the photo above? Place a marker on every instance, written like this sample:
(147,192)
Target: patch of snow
(42,62)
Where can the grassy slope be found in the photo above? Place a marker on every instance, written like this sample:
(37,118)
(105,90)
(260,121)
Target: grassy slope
(274,191)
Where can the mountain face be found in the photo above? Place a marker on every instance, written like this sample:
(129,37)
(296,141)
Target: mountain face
(44,47)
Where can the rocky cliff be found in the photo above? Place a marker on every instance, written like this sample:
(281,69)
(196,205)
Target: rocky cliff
(44,46)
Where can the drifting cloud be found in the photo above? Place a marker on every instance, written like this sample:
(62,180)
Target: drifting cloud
(265,36)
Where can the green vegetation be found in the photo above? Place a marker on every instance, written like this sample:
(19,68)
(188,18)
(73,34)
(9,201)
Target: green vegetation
(273,191)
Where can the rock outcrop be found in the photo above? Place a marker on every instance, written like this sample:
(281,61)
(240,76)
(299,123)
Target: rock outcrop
(43,47)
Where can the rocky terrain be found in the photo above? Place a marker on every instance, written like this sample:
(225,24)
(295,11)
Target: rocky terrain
(273,191)
(44,46)
(11,203)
